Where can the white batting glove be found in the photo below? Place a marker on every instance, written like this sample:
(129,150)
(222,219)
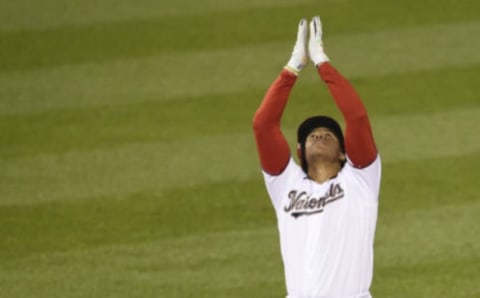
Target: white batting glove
(315,43)
(299,57)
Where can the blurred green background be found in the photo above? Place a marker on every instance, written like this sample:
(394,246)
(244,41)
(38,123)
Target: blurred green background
(127,161)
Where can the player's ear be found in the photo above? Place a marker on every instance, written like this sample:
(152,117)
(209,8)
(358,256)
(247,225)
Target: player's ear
(299,152)
(342,157)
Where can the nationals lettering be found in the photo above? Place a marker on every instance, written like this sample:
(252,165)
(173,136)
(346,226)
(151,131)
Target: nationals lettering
(303,204)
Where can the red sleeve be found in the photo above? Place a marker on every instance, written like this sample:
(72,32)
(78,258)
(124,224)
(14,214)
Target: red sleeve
(272,145)
(359,143)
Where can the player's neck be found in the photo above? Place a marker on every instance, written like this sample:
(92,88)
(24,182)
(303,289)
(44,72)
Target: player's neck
(324,171)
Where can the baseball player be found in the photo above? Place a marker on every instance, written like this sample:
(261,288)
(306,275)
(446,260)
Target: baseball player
(326,206)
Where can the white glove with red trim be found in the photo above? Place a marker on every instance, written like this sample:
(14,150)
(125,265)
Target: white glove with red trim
(315,43)
(299,58)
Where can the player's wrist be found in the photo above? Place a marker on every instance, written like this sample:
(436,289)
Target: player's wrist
(292,70)
(319,58)
(295,65)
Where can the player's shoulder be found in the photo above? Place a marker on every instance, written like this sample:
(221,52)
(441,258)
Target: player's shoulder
(368,176)
(292,172)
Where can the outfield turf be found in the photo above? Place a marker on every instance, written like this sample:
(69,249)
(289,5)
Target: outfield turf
(127,161)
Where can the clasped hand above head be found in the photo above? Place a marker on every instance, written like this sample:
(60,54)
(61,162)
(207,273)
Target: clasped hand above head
(313,50)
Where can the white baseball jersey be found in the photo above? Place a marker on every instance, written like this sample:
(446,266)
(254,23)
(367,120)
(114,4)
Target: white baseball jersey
(327,230)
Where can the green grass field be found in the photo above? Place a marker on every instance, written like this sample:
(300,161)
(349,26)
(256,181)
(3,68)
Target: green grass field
(127,160)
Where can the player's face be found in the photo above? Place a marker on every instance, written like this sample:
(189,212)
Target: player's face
(322,142)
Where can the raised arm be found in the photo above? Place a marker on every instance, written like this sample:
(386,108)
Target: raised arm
(359,143)
(272,146)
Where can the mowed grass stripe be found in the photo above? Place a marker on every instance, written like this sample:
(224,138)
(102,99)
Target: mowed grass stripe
(428,183)
(123,169)
(160,268)
(204,159)
(420,136)
(30,49)
(408,187)
(31,15)
(58,131)
(27,49)
(221,71)
(15,15)
(206,261)
(103,127)
(415,248)
(436,230)
(428,280)
(132,218)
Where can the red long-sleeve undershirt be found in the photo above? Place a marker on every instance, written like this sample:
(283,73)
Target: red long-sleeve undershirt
(272,145)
